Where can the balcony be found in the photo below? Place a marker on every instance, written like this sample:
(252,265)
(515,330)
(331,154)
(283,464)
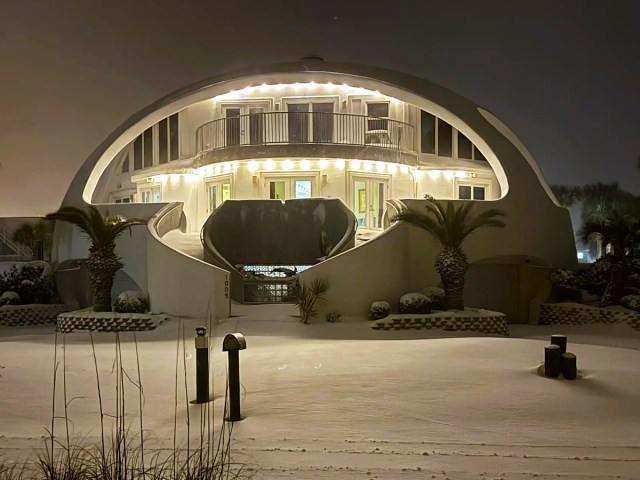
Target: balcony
(306,134)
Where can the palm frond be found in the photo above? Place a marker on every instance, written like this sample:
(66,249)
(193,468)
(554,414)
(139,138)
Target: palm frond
(75,216)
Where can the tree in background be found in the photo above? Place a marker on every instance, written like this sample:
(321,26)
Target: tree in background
(451,225)
(37,237)
(103,262)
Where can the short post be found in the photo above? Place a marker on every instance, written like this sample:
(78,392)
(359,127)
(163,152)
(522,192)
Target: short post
(552,361)
(568,364)
(202,365)
(561,341)
(232,343)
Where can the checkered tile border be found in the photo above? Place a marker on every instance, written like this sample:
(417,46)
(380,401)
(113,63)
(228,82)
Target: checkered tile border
(22,315)
(487,322)
(107,321)
(575,314)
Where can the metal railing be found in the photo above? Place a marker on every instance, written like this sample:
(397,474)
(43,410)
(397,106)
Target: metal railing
(305,128)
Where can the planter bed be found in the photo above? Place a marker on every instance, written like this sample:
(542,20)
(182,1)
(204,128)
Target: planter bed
(31,314)
(579,314)
(107,321)
(475,320)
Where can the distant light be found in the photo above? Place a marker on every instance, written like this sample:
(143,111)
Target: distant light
(340,163)
(217,168)
(312,84)
(355,164)
(226,168)
(461,174)
(253,166)
(368,166)
(287,165)
(305,164)
(235,166)
(269,165)
(448,174)
(434,174)
(417,174)
(324,163)
(380,167)
(264,86)
(392,168)
(404,169)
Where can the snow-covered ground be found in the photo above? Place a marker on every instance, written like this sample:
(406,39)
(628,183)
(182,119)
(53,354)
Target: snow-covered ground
(344,401)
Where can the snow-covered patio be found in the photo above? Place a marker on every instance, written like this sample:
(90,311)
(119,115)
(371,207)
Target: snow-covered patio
(344,401)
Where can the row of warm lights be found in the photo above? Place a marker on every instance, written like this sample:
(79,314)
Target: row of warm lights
(270,165)
(298,86)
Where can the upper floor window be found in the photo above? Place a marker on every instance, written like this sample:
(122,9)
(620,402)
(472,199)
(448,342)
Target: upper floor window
(379,110)
(152,148)
(440,138)
(471,192)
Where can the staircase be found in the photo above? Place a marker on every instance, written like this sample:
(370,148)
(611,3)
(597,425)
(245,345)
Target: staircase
(20,253)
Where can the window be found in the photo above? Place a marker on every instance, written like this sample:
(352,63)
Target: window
(174,152)
(163,156)
(477,155)
(471,192)
(445,138)
(137,154)
(380,110)
(465,147)
(427,132)
(147,143)
(125,164)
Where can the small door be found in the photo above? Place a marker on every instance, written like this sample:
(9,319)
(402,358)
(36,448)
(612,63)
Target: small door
(369,196)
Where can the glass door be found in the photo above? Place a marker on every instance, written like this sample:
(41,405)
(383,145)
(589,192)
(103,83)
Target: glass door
(285,188)
(217,192)
(369,196)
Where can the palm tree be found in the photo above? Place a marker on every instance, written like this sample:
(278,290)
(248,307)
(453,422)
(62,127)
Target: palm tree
(451,225)
(620,230)
(103,262)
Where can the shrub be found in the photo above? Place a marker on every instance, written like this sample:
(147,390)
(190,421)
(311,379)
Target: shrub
(306,295)
(131,302)
(333,317)
(567,284)
(32,281)
(379,309)
(436,297)
(414,303)
(631,301)
(596,277)
(10,298)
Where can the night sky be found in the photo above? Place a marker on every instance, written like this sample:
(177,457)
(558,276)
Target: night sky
(563,75)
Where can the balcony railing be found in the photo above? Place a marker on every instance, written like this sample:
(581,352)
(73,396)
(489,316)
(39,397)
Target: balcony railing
(305,128)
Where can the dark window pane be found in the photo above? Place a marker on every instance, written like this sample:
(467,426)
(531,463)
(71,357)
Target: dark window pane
(478,193)
(125,164)
(162,142)
(174,153)
(137,153)
(378,109)
(477,155)
(148,147)
(427,132)
(464,147)
(445,131)
(298,122)
(464,192)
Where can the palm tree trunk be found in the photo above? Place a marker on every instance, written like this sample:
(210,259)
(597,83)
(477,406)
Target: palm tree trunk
(103,266)
(452,266)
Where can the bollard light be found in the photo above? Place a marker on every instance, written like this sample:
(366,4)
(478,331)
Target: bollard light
(202,365)
(232,343)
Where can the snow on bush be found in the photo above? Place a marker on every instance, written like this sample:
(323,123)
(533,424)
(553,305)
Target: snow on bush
(32,281)
(9,298)
(631,301)
(415,303)
(131,302)
(436,297)
(333,317)
(568,284)
(379,309)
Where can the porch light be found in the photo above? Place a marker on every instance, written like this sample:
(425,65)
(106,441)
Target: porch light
(392,168)
(355,164)
(324,163)
(448,174)
(252,166)
(305,164)
(217,168)
(368,166)
(287,165)
(340,163)
(234,166)
(417,174)
(461,174)
(312,84)
(264,86)
(434,174)
(269,165)
(404,169)
(380,167)
(226,168)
